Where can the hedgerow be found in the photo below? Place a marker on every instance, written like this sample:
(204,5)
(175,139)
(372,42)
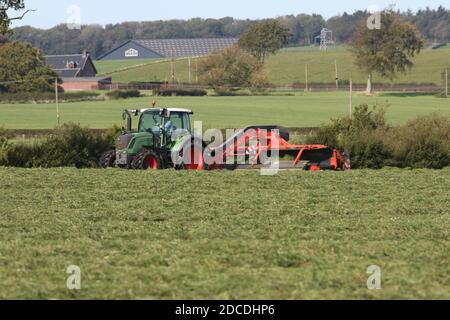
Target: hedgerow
(69,146)
(423,142)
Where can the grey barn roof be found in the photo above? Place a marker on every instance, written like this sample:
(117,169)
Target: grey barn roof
(69,65)
(179,48)
(173,48)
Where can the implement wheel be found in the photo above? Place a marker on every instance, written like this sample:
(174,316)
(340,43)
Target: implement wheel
(146,160)
(107,160)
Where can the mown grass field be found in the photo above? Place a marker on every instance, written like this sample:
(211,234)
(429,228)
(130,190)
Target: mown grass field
(235,235)
(288,67)
(301,110)
(108,66)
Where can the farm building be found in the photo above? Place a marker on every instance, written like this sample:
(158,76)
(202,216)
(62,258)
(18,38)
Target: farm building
(77,71)
(167,48)
(73,65)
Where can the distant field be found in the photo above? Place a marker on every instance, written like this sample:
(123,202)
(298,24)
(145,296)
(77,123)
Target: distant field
(236,235)
(301,110)
(105,67)
(288,67)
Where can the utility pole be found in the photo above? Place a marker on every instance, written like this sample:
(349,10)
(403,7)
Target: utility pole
(351,97)
(196,71)
(189,61)
(337,76)
(306,78)
(172,67)
(57,101)
(446,83)
(172,70)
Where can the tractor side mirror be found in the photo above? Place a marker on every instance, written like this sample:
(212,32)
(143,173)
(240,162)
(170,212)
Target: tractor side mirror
(127,116)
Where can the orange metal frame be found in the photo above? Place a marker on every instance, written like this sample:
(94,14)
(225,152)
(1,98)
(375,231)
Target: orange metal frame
(268,141)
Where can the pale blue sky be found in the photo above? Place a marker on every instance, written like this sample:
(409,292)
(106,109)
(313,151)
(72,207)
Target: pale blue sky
(102,12)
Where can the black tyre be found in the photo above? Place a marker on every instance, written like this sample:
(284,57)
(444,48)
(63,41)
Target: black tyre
(108,159)
(146,160)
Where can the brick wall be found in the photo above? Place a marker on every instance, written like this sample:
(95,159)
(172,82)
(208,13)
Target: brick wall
(80,86)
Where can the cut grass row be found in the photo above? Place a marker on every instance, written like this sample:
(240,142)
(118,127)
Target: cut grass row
(288,67)
(296,235)
(301,110)
(110,67)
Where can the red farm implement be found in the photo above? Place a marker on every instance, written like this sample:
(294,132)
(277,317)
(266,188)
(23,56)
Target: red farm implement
(256,146)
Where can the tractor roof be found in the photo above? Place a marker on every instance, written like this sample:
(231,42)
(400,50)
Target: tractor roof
(170,110)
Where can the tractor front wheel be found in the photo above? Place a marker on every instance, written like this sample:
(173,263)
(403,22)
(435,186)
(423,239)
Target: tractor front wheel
(108,159)
(146,160)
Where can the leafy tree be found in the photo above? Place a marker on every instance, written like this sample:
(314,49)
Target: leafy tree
(3,39)
(264,38)
(387,50)
(311,25)
(231,67)
(344,26)
(303,28)
(92,35)
(5,19)
(433,24)
(23,68)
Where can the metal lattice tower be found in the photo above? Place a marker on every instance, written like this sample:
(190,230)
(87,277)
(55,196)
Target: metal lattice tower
(326,39)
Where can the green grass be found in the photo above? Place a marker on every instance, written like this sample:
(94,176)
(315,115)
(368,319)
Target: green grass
(108,66)
(296,235)
(288,67)
(301,110)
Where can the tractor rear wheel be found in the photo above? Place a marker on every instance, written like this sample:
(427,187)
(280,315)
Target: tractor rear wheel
(108,159)
(146,160)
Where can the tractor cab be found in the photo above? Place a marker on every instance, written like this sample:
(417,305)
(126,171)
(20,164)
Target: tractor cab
(158,129)
(151,118)
(166,120)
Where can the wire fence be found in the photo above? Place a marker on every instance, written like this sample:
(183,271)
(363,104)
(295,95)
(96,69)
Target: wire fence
(308,75)
(306,85)
(311,87)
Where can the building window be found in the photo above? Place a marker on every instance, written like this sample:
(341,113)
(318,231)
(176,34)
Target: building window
(131,53)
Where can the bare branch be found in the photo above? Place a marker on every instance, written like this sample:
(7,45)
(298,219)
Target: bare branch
(22,16)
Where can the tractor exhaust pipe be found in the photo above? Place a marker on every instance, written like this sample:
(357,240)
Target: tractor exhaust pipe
(127,116)
(129,124)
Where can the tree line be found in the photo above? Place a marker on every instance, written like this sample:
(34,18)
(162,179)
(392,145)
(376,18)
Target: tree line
(433,24)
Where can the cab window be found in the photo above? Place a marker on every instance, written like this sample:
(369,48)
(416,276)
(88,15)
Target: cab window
(177,120)
(149,120)
(186,122)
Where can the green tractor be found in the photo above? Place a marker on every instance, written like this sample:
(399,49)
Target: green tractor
(163,140)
